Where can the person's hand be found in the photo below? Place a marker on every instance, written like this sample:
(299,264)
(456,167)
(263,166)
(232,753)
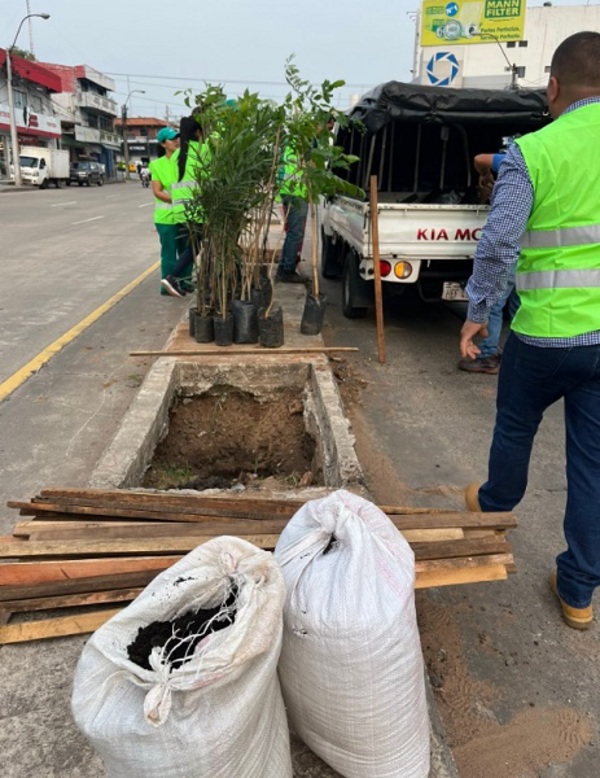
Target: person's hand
(471,329)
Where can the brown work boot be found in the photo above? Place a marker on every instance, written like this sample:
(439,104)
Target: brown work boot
(577,618)
(472,498)
(489,365)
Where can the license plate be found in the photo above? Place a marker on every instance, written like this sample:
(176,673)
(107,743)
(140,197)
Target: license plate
(453,291)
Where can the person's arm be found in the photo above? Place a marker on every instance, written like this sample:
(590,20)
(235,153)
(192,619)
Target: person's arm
(159,192)
(483,163)
(498,249)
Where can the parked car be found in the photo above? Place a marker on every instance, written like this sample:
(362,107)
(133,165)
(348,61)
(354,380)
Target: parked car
(86,172)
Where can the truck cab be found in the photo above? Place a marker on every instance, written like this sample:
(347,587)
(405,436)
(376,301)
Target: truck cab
(420,143)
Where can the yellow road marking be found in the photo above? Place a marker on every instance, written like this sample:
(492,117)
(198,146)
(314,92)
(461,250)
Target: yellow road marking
(16,379)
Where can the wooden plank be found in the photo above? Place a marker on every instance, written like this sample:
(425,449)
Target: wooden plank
(464,519)
(466,547)
(229,351)
(433,565)
(79,585)
(238,503)
(132,530)
(24,529)
(428,580)
(430,535)
(33,573)
(406,521)
(70,600)
(117,547)
(54,628)
(177,514)
(87,496)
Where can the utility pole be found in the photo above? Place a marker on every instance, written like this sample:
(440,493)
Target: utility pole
(125,143)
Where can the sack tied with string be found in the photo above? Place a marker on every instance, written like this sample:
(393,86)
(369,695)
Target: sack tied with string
(207,704)
(351,667)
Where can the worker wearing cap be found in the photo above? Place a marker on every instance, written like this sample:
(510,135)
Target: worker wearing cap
(164,172)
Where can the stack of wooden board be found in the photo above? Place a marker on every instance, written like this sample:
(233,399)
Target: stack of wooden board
(89,549)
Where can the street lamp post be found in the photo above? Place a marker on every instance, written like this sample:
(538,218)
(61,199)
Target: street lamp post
(512,67)
(14,140)
(124,128)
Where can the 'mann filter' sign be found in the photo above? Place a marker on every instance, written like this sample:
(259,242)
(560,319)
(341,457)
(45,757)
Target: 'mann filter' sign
(458,23)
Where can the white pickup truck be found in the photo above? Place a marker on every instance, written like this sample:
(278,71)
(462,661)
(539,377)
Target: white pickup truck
(42,167)
(420,143)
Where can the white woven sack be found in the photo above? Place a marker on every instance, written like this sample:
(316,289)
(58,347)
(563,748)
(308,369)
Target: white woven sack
(351,667)
(219,715)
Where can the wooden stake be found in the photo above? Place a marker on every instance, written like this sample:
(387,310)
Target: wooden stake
(377,270)
(236,352)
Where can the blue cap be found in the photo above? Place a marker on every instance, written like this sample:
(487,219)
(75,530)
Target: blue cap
(167,133)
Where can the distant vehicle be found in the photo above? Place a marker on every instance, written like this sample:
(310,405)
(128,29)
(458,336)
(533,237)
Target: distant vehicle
(86,172)
(42,167)
(132,167)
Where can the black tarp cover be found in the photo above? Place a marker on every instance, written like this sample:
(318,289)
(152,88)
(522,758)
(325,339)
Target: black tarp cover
(396,101)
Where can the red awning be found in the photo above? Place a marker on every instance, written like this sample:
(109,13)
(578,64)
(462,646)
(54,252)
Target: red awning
(32,71)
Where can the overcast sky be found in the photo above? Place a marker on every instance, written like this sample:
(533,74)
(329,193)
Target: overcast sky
(162,47)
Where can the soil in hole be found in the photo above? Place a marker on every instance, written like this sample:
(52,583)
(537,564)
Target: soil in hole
(179,638)
(227,436)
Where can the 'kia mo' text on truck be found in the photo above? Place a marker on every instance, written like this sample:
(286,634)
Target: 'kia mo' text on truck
(420,142)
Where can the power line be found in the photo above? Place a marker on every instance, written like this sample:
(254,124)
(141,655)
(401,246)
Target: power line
(223,80)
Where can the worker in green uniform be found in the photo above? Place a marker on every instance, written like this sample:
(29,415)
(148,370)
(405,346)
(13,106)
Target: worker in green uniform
(164,171)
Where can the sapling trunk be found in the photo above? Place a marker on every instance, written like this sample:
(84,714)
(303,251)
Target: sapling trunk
(313,252)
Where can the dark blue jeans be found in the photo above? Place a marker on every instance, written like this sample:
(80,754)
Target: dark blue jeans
(184,267)
(297,213)
(531,379)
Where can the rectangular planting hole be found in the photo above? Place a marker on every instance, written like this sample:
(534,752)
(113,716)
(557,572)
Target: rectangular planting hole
(227,436)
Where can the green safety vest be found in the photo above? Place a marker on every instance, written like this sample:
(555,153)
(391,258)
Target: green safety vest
(291,176)
(183,191)
(165,171)
(558,270)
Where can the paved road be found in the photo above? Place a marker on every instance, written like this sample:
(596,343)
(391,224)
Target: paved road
(65,252)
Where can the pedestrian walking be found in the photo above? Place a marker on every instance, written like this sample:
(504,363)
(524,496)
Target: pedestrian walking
(545,216)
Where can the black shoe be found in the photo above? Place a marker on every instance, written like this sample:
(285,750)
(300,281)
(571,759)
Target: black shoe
(173,287)
(293,277)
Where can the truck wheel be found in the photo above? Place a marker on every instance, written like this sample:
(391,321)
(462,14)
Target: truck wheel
(330,257)
(351,282)
(57,183)
(44,184)
(101,181)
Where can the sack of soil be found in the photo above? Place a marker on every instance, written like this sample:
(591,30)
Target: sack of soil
(183,682)
(351,668)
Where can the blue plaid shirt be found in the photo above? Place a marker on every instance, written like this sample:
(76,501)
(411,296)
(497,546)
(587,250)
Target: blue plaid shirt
(498,249)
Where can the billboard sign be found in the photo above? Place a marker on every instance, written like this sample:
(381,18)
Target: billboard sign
(459,23)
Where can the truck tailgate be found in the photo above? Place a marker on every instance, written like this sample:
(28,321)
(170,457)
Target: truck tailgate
(409,231)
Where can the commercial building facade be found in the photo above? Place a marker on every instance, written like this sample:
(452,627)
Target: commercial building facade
(87,115)
(499,65)
(35,119)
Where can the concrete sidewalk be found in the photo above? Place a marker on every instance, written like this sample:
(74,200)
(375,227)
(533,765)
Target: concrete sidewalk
(38,737)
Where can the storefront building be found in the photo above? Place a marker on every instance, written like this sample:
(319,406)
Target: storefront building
(35,119)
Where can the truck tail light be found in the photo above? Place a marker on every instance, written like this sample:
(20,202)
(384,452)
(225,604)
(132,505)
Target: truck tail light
(402,269)
(385,268)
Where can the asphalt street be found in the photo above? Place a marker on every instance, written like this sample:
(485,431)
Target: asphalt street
(423,430)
